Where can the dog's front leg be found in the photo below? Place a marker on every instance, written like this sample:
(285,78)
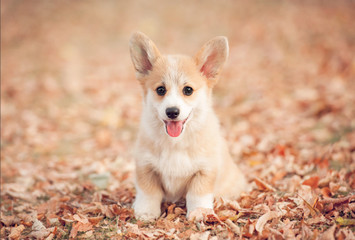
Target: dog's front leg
(149,194)
(199,197)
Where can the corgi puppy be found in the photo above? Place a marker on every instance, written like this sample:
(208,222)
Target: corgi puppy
(180,151)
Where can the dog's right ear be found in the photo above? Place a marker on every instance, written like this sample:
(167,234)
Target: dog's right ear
(143,53)
(211,58)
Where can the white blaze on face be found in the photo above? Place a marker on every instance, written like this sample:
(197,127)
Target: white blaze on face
(174,80)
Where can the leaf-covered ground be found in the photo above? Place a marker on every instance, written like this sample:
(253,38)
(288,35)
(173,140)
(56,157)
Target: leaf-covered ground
(70,108)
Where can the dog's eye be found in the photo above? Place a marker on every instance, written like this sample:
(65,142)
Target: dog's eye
(187,90)
(161,90)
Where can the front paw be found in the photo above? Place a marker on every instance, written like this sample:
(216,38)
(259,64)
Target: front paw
(146,216)
(200,214)
(147,206)
(146,212)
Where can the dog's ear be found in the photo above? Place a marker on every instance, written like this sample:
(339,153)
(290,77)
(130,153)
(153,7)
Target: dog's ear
(211,57)
(143,53)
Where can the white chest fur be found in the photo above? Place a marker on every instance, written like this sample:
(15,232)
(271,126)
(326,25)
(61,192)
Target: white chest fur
(176,167)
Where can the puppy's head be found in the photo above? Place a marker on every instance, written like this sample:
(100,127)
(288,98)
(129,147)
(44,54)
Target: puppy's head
(177,87)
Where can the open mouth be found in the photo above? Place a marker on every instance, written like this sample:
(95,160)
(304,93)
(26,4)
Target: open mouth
(174,128)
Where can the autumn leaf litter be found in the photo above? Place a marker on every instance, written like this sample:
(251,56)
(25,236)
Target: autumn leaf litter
(69,118)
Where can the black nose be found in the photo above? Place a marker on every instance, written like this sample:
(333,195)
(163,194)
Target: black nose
(172,112)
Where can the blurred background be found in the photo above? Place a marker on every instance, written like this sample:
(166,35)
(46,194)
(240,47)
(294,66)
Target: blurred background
(70,104)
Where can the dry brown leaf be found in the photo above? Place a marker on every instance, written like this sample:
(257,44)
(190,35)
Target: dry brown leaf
(133,230)
(337,200)
(234,205)
(71,110)
(79,227)
(9,220)
(179,211)
(212,218)
(309,199)
(200,236)
(50,236)
(107,211)
(37,225)
(235,228)
(345,233)
(329,234)
(306,231)
(171,208)
(326,192)
(225,214)
(352,206)
(312,210)
(80,218)
(95,220)
(16,232)
(43,233)
(312,182)
(278,176)
(163,223)
(263,185)
(263,220)
(200,214)
(319,219)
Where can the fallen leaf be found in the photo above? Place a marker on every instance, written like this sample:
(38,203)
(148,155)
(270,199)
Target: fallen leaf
(16,232)
(329,233)
(79,227)
(43,233)
(326,192)
(225,214)
(337,200)
(313,210)
(212,218)
(200,214)
(83,219)
(263,220)
(312,182)
(235,228)
(200,236)
(50,236)
(95,220)
(234,205)
(345,221)
(263,185)
(278,176)
(9,220)
(37,225)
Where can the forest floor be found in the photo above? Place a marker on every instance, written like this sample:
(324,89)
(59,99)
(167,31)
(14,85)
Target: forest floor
(70,109)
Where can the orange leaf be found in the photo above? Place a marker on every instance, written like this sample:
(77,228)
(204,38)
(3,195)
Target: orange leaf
(95,220)
(326,192)
(262,185)
(280,150)
(312,182)
(79,227)
(16,232)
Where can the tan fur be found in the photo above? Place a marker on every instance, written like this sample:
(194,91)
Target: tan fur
(196,164)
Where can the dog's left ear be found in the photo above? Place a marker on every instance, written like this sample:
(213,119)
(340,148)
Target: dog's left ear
(211,58)
(144,53)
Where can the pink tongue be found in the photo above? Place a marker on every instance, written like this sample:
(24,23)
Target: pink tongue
(174,128)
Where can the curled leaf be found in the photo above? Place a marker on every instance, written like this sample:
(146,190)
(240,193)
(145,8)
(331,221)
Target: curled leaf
(262,185)
(16,232)
(263,220)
